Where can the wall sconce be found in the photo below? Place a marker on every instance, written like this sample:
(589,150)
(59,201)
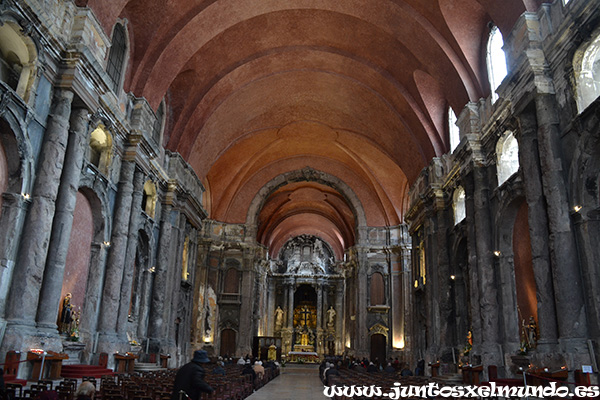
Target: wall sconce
(106,244)
(26,196)
(497,253)
(577,208)
(152,270)
(453,277)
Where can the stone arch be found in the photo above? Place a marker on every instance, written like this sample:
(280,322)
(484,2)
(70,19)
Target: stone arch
(461,319)
(18,55)
(515,273)
(310,175)
(14,141)
(586,68)
(77,263)
(507,157)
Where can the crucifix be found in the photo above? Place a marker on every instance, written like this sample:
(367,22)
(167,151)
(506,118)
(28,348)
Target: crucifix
(305,316)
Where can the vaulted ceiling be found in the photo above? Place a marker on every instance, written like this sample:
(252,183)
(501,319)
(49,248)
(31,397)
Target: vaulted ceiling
(355,89)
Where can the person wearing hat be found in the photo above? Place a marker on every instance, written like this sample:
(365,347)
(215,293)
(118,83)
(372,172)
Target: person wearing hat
(190,378)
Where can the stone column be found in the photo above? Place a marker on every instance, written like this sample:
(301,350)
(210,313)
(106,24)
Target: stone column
(538,228)
(290,287)
(111,293)
(132,241)
(340,318)
(397,303)
(63,221)
(570,307)
(362,330)
(14,209)
(319,288)
(488,292)
(27,278)
(91,307)
(159,288)
(246,309)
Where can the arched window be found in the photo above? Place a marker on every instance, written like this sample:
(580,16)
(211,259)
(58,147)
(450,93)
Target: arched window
(587,74)
(100,149)
(458,203)
(158,124)
(453,130)
(116,57)
(149,199)
(507,153)
(231,282)
(496,61)
(17,56)
(377,289)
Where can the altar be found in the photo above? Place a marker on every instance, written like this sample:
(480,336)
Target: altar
(303,357)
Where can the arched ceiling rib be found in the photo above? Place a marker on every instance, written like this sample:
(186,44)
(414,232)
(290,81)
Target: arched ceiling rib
(358,90)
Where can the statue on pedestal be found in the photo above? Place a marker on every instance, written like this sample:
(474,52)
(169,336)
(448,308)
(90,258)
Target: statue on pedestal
(66,315)
(331,313)
(278,318)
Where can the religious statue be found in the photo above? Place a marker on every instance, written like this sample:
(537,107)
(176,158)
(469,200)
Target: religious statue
(532,333)
(278,318)
(272,353)
(66,315)
(331,317)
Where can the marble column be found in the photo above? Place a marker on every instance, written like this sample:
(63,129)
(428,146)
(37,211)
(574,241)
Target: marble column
(538,228)
(28,275)
(157,309)
(488,292)
(442,275)
(132,242)
(50,295)
(111,293)
(570,307)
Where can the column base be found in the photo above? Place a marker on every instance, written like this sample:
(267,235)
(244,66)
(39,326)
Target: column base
(111,343)
(23,336)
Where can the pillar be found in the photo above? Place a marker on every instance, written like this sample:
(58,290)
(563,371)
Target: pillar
(132,241)
(63,221)
(488,296)
(290,287)
(538,228)
(159,288)
(111,293)
(28,275)
(570,307)
(14,209)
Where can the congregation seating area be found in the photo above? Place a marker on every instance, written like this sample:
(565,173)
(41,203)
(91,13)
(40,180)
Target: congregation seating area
(153,385)
(470,375)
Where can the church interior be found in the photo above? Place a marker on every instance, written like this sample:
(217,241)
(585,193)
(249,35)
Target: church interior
(384,179)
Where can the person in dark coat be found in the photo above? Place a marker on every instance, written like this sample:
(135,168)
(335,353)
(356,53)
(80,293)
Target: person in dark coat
(190,378)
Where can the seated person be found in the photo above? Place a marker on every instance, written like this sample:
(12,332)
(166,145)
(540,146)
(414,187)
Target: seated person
(259,369)
(389,369)
(248,370)
(372,367)
(85,391)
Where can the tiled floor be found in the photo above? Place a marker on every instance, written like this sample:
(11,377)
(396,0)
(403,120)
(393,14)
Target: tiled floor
(296,382)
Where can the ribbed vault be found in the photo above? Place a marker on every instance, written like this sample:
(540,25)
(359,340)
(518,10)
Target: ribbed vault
(358,90)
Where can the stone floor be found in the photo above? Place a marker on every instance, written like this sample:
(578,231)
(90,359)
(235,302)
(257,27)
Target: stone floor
(296,382)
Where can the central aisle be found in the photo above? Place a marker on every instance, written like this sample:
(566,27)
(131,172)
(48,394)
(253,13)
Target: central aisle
(296,382)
